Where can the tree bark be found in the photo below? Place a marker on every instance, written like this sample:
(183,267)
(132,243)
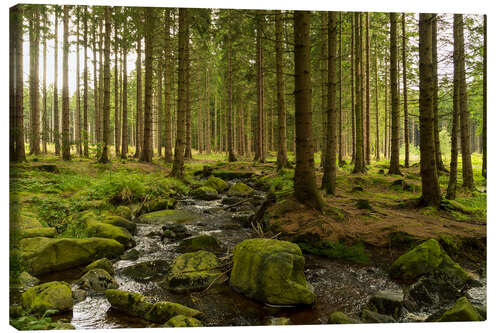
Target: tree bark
(330,166)
(168,85)
(18,98)
(431,193)
(394,165)
(230,149)
(367,38)
(259,151)
(34,81)
(340,140)
(139,113)
(304,180)
(358,163)
(183,93)
(44,89)
(117,86)
(147,145)
(377,141)
(106,85)
(77,117)
(65,93)
(485,76)
(124,97)
(85,86)
(57,139)
(435,102)
(282,159)
(353,93)
(405,93)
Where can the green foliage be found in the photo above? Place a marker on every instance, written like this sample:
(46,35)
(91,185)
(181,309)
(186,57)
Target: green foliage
(31,322)
(337,250)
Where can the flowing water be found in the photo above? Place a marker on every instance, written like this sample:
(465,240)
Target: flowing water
(339,286)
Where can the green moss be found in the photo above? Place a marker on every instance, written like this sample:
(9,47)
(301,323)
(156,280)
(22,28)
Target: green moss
(124,212)
(341,318)
(164,311)
(183,321)
(279,321)
(336,250)
(192,272)
(38,232)
(204,193)
(48,296)
(103,263)
(240,189)
(217,183)
(131,303)
(121,222)
(43,255)
(168,216)
(270,271)
(461,311)
(105,230)
(199,242)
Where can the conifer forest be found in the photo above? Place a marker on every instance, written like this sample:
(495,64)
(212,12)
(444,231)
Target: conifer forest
(189,167)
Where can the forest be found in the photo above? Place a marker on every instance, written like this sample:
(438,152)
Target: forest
(188,167)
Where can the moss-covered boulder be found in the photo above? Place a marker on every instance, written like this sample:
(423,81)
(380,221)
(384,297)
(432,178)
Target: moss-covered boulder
(163,311)
(183,321)
(25,281)
(44,255)
(271,271)
(124,211)
(168,216)
(204,193)
(38,232)
(217,183)
(121,222)
(131,254)
(461,311)
(105,230)
(131,303)
(192,272)
(428,258)
(388,302)
(147,270)
(240,190)
(53,295)
(200,242)
(174,231)
(158,204)
(97,280)
(103,263)
(341,318)
(369,316)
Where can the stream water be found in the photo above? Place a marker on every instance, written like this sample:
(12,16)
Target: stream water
(339,286)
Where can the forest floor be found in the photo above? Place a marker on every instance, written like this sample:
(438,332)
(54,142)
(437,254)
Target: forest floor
(372,209)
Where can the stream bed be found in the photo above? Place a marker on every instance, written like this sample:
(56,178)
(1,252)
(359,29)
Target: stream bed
(339,286)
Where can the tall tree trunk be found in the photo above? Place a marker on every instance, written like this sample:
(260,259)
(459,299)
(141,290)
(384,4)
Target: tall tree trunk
(353,93)
(208,129)
(159,109)
(230,149)
(65,93)
(394,165)
(468,179)
(78,139)
(100,137)
(57,139)
(304,180)
(375,61)
(139,113)
(147,145)
(259,152)
(35,81)
(367,39)
(106,86)
(435,101)
(97,124)
(405,94)
(386,112)
(117,85)
(358,162)
(19,152)
(431,193)
(124,99)
(44,89)
(485,76)
(183,39)
(323,65)
(282,159)
(330,166)
(85,86)
(168,85)
(13,18)
(340,141)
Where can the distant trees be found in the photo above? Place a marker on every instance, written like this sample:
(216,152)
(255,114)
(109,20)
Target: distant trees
(66,149)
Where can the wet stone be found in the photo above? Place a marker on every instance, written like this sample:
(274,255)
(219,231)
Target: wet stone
(147,270)
(131,254)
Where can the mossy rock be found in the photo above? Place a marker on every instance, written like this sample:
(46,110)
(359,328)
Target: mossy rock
(131,254)
(461,311)
(103,263)
(121,222)
(218,184)
(341,318)
(368,316)
(428,258)
(192,272)
(204,193)
(168,216)
(39,232)
(271,271)
(163,311)
(97,280)
(25,281)
(240,190)
(158,204)
(27,222)
(278,321)
(388,302)
(44,255)
(199,242)
(147,270)
(124,211)
(183,321)
(53,295)
(131,303)
(105,230)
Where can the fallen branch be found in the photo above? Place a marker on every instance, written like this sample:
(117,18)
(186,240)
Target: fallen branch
(238,203)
